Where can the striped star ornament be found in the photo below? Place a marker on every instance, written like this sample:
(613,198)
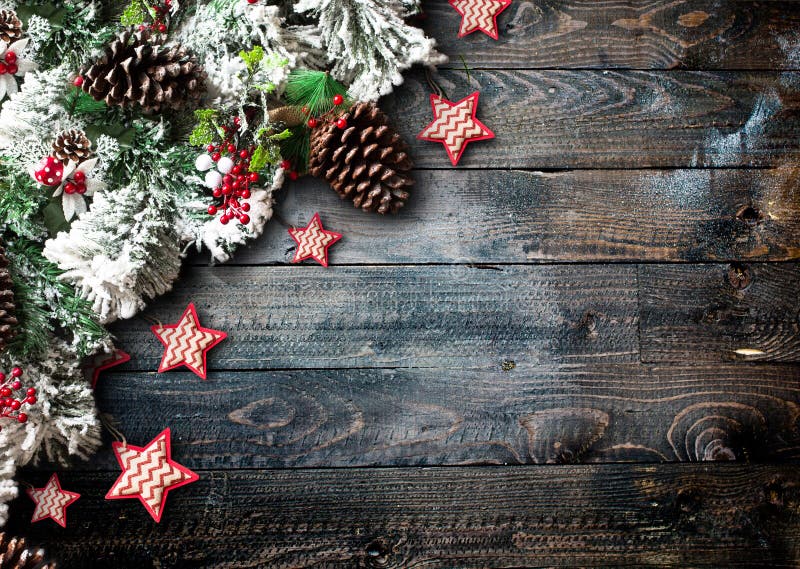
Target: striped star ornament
(479,15)
(455,125)
(313,241)
(187,343)
(52,501)
(149,474)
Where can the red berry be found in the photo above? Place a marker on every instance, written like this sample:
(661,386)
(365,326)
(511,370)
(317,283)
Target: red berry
(244,154)
(228,179)
(79,176)
(237,169)
(245,206)
(231,149)
(11,57)
(227,190)
(244,219)
(293,175)
(216,156)
(286,165)
(253,177)
(338,100)
(5,392)
(2,377)
(237,121)
(31,391)
(15,405)
(70,188)
(22,418)
(312,122)
(17,384)
(341,123)
(211,148)
(81,188)
(16,372)
(245,194)
(224,219)
(31,399)
(252,1)
(142,27)
(12,68)
(78,81)
(162,28)
(3,68)
(212,210)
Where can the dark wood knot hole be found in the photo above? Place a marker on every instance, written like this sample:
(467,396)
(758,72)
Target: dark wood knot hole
(750,215)
(739,276)
(379,553)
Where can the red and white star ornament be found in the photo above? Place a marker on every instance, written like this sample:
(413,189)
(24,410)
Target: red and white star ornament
(479,15)
(455,125)
(52,501)
(149,474)
(101,362)
(187,343)
(313,241)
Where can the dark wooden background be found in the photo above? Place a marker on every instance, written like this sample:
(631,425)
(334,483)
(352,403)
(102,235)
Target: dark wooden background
(579,348)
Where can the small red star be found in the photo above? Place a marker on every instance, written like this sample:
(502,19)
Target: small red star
(313,241)
(52,501)
(455,125)
(479,15)
(102,362)
(149,473)
(187,343)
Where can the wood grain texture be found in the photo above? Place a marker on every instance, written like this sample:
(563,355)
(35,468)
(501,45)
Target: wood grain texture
(310,317)
(697,34)
(613,119)
(467,216)
(720,312)
(511,414)
(554,516)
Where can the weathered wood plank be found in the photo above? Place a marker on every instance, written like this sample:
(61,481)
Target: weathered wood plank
(720,312)
(613,119)
(467,216)
(697,34)
(520,414)
(310,317)
(554,516)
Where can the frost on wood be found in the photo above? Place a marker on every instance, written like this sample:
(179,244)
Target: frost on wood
(369,44)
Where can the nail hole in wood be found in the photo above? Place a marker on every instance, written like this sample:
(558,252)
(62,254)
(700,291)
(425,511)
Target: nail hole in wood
(739,276)
(750,215)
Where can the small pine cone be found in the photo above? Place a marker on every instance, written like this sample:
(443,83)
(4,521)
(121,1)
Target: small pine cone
(8,322)
(137,69)
(15,555)
(366,162)
(10,26)
(72,145)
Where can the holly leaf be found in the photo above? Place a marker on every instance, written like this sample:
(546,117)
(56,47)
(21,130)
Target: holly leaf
(252,58)
(136,13)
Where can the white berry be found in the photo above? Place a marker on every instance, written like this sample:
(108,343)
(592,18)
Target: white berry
(204,162)
(225,165)
(213,179)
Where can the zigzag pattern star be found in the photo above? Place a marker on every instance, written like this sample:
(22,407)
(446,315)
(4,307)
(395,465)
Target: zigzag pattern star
(52,501)
(187,343)
(479,15)
(455,125)
(313,241)
(149,473)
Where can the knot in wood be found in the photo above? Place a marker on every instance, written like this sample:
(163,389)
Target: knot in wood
(750,215)
(379,553)
(739,276)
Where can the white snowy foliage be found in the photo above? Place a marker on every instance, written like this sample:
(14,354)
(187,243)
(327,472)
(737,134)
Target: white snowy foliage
(369,44)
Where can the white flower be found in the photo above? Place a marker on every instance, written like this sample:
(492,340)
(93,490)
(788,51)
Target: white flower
(19,66)
(74,203)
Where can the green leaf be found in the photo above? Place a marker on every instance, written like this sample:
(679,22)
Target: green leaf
(259,159)
(252,58)
(136,13)
(203,133)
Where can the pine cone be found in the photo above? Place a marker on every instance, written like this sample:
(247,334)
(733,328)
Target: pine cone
(8,322)
(136,68)
(15,555)
(10,26)
(72,145)
(366,162)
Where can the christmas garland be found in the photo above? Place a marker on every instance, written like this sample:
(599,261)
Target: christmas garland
(132,134)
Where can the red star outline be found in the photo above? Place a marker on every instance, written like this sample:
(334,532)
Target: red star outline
(493,33)
(115,358)
(294,231)
(32,492)
(193,476)
(441,100)
(218,333)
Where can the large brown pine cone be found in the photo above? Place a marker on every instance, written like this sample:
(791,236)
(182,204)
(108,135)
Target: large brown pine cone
(8,321)
(10,26)
(72,145)
(14,554)
(367,161)
(137,69)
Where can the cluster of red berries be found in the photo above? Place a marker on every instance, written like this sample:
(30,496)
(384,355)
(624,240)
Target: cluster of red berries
(77,185)
(10,406)
(160,21)
(235,186)
(9,64)
(341,122)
